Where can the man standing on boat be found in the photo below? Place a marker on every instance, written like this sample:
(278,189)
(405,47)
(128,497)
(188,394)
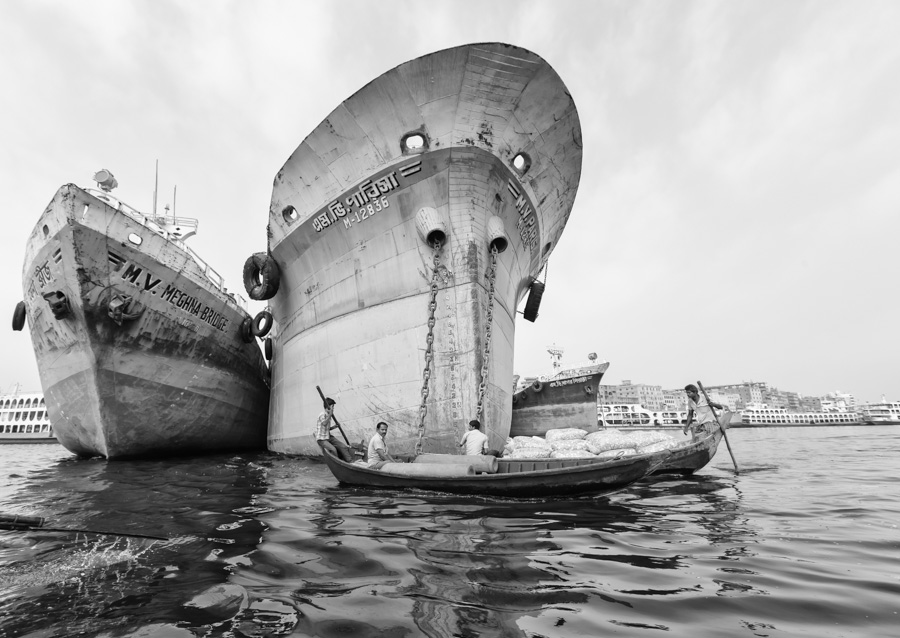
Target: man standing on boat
(474,439)
(699,411)
(378,452)
(328,442)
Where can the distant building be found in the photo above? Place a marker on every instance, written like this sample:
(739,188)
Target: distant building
(649,396)
(837,397)
(810,404)
(735,397)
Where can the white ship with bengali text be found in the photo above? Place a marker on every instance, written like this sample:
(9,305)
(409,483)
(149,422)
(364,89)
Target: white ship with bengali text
(403,234)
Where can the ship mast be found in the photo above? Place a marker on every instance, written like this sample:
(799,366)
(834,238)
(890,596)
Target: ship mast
(555,356)
(155,187)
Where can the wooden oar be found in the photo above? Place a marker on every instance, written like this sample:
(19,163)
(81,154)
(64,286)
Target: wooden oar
(724,434)
(346,440)
(28,523)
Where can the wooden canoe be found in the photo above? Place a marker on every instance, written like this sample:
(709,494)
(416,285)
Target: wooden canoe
(516,477)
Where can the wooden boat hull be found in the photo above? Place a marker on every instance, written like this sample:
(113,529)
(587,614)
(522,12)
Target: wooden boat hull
(174,377)
(561,403)
(348,229)
(529,478)
(693,456)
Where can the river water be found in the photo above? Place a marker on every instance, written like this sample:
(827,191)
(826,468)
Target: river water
(805,541)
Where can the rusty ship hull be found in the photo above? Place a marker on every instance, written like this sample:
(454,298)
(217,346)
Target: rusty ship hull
(390,297)
(138,352)
(565,401)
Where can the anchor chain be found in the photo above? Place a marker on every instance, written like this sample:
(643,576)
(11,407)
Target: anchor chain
(486,355)
(429,343)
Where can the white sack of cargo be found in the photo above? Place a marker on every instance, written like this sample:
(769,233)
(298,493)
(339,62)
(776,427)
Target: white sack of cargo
(608,440)
(529,441)
(479,462)
(571,454)
(641,439)
(564,434)
(616,454)
(427,470)
(570,444)
(659,446)
(531,453)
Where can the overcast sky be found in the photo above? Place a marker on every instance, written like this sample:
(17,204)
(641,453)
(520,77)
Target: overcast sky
(738,217)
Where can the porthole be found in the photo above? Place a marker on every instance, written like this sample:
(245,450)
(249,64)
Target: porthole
(290,214)
(521,162)
(135,239)
(46,230)
(415,142)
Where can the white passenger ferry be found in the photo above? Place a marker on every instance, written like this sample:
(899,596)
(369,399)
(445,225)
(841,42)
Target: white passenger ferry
(23,419)
(884,413)
(634,415)
(762,415)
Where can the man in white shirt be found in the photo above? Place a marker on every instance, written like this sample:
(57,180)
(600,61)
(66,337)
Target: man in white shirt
(474,439)
(699,412)
(378,452)
(326,440)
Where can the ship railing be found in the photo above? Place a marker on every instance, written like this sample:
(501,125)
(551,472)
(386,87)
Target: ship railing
(154,224)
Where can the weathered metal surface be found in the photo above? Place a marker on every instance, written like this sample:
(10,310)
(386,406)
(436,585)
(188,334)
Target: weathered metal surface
(352,308)
(560,403)
(175,379)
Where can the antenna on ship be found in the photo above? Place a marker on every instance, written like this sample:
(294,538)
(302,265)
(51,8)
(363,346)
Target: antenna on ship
(555,355)
(174,194)
(155,186)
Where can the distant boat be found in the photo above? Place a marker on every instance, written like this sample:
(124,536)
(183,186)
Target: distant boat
(141,351)
(24,419)
(883,413)
(566,397)
(634,415)
(754,415)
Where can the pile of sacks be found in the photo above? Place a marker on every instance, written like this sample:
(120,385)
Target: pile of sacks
(574,443)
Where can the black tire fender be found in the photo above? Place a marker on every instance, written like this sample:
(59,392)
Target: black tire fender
(261,324)
(246,330)
(262,276)
(534,300)
(267,348)
(18,321)
(588,389)
(537,386)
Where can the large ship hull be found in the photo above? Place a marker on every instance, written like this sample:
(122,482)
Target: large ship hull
(170,374)
(365,298)
(568,402)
